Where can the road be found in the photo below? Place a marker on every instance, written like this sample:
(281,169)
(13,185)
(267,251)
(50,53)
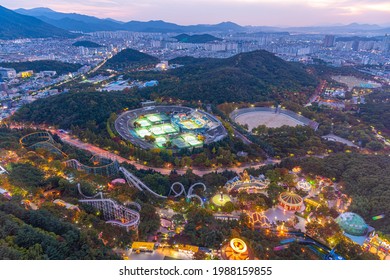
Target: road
(317,92)
(166,171)
(66,138)
(242,137)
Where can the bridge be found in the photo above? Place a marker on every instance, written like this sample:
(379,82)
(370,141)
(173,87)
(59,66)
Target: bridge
(107,166)
(177,189)
(42,140)
(113,212)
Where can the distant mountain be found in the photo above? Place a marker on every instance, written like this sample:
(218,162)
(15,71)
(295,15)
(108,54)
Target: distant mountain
(196,39)
(129,58)
(353,28)
(250,77)
(84,23)
(87,44)
(78,22)
(14,26)
(72,21)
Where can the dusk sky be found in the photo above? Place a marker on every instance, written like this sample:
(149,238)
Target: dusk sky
(244,12)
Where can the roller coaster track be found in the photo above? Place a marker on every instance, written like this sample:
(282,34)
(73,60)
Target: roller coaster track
(133,181)
(109,168)
(99,194)
(42,140)
(113,212)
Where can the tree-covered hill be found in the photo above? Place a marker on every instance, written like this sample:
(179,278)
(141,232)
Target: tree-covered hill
(77,109)
(196,39)
(87,44)
(43,65)
(129,58)
(250,77)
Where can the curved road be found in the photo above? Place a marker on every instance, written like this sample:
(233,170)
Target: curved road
(166,171)
(66,138)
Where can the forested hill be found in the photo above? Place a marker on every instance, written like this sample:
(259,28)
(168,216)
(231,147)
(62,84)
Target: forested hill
(129,58)
(196,39)
(77,109)
(87,44)
(253,76)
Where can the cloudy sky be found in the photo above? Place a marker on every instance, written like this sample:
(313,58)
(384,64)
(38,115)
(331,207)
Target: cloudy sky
(244,12)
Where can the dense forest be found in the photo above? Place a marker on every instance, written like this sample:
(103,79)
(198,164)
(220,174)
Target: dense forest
(36,235)
(77,109)
(365,177)
(43,65)
(253,76)
(377,110)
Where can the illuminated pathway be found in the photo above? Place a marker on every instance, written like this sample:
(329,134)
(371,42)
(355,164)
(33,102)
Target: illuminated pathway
(166,171)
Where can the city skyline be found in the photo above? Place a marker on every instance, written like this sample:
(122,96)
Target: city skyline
(243,12)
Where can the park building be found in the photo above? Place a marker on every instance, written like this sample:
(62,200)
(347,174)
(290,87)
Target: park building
(290,201)
(352,224)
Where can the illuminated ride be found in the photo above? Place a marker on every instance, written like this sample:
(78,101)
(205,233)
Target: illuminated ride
(177,189)
(107,167)
(236,249)
(42,140)
(113,212)
(220,199)
(248,183)
(321,250)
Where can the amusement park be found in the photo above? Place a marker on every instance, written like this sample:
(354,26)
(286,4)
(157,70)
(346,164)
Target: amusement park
(277,213)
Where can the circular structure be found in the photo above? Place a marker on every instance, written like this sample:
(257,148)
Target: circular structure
(304,185)
(238,245)
(220,199)
(236,249)
(290,201)
(174,127)
(270,117)
(352,224)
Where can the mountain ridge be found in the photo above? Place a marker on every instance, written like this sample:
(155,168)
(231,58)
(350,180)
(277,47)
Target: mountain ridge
(14,26)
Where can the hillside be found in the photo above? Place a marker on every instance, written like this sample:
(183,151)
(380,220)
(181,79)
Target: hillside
(365,177)
(14,26)
(43,65)
(87,44)
(77,109)
(129,58)
(196,39)
(253,76)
